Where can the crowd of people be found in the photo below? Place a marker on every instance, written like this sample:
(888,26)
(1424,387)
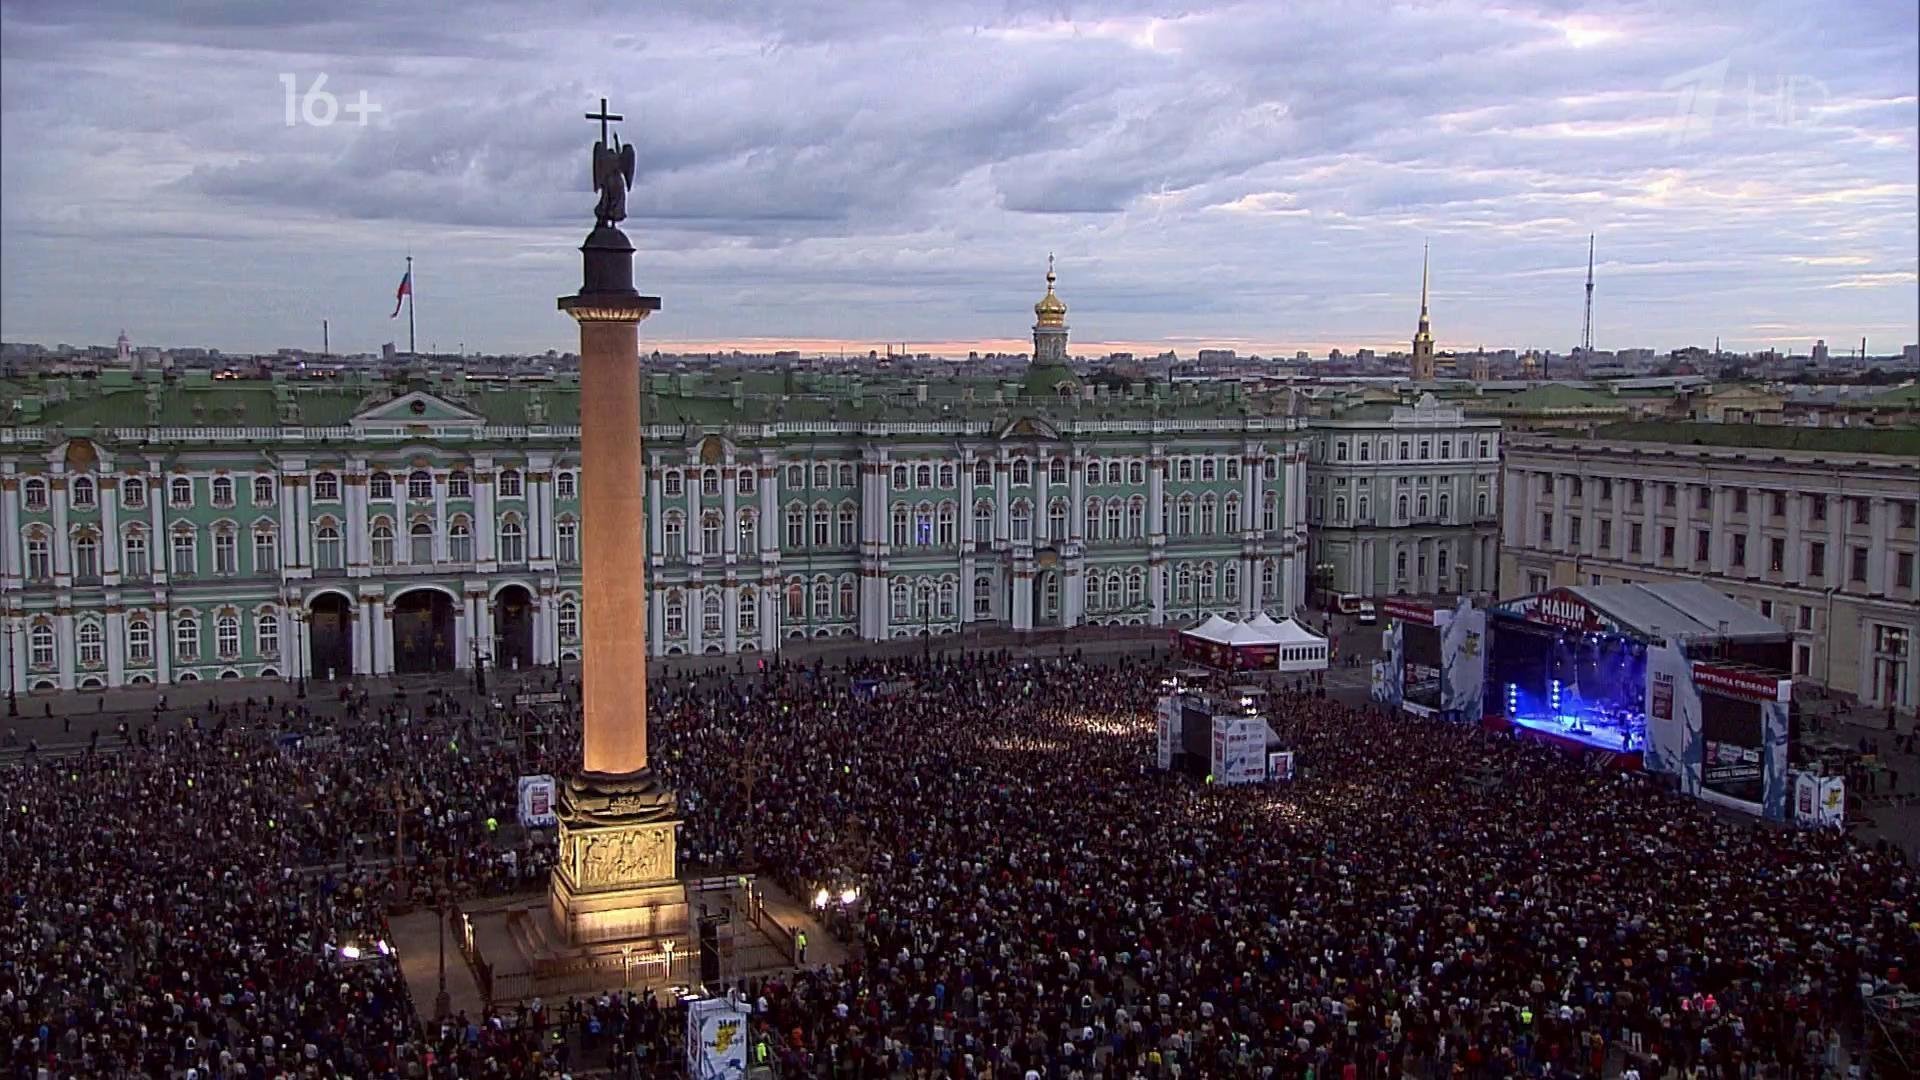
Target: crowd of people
(1031,897)
(1036,899)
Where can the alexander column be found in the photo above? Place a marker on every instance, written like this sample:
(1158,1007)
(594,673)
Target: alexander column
(617,874)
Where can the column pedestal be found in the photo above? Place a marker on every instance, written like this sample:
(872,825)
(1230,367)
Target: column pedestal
(618,875)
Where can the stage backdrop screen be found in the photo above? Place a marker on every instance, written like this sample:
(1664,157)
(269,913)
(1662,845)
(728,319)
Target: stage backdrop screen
(1420,655)
(1730,728)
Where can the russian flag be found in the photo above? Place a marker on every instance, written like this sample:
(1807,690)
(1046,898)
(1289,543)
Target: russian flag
(400,295)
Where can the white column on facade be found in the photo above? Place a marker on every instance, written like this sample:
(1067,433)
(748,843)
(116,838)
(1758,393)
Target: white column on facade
(770,523)
(359,542)
(1838,558)
(109,496)
(163,643)
(13,563)
(1077,497)
(1513,514)
(17,655)
(696,616)
(656,622)
(1002,500)
(302,528)
(440,524)
(1796,563)
(485,521)
(730,618)
(1881,575)
(1042,493)
(116,630)
(768,597)
(1683,547)
(1650,543)
(1719,538)
(290,546)
(383,637)
(62,538)
(694,541)
(1757,504)
(63,627)
(729,519)
(365,635)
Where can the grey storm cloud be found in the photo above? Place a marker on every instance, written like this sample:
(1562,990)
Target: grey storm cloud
(871,171)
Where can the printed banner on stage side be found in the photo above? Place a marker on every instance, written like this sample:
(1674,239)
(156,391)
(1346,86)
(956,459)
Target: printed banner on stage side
(536,802)
(716,1039)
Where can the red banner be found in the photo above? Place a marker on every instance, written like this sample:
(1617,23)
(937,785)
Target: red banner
(1742,683)
(1562,609)
(1411,611)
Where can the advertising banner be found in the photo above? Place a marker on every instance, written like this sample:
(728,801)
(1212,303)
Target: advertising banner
(1463,662)
(1280,765)
(1819,802)
(1387,672)
(536,802)
(1166,717)
(1674,742)
(716,1039)
(1239,750)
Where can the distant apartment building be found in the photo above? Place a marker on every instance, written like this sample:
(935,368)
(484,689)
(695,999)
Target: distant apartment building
(1813,528)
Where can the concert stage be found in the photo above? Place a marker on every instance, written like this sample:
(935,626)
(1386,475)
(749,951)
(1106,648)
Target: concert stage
(1568,733)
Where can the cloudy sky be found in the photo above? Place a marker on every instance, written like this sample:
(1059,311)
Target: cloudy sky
(1258,175)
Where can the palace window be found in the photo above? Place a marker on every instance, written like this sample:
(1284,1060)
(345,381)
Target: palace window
(1209,515)
(900,517)
(420,485)
(86,557)
(710,482)
(923,476)
(326,546)
(670,484)
(1230,581)
(983,474)
(899,478)
(675,529)
(845,474)
(185,553)
(822,521)
(982,521)
(1022,472)
(1183,470)
(749,531)
(513,541)
(796,528)
(459,485)
(40,644)
(1206,583)
(1057,471)
(849,525)
(712,611)
(510,484)
(822,601)
(186,637)
(263,491)
(1136,518)
(460,541)
(947,524)
(380,487)
(1183,584)
(180,492)
(749,610)
(33,494)
(710,533)
(983,598)
(1092,526)
(566,542)
(946,476)
(1270,512)
(676,615)
(746,481)
(796,479)
(383,545)
(848,597)
(1183,516)
(326,487)
(902,605)
(223,491)
(796,602)
(266,634)
(420,544)
(139,641)
(1115,519)
(135,564)
(133,493)
(1136,587)
(83,493)
(1136,472)
(266,551)
(92,644)
(1057,521)
(1022,520)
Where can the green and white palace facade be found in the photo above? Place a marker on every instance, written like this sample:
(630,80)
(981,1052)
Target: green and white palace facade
(177,529)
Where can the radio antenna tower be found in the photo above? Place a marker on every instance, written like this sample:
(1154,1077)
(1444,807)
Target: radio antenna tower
(1586,327)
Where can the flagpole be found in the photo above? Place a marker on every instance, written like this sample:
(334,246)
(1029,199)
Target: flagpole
(412,349)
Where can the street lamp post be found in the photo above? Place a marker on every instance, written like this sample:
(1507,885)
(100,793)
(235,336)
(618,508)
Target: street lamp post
(442,1001)
(479,669)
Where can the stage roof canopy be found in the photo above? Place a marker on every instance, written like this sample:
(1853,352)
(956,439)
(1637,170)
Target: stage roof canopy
(1679,611)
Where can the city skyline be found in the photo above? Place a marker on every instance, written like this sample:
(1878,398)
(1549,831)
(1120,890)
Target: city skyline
(837,177)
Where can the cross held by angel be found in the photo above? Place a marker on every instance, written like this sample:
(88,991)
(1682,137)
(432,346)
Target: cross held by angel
(613,165)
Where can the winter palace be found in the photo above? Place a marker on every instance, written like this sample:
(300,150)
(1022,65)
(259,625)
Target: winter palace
(161,528)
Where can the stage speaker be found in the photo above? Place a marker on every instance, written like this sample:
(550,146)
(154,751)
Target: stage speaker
(710,952)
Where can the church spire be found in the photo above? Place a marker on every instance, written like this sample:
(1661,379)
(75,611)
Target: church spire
(1423,337)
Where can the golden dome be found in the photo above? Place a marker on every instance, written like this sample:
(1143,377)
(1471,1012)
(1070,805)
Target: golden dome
(1050,311)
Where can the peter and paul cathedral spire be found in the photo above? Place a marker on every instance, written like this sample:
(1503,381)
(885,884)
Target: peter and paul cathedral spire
(1423,337)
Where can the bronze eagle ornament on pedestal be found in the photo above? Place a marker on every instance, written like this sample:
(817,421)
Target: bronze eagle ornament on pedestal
(613,166)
